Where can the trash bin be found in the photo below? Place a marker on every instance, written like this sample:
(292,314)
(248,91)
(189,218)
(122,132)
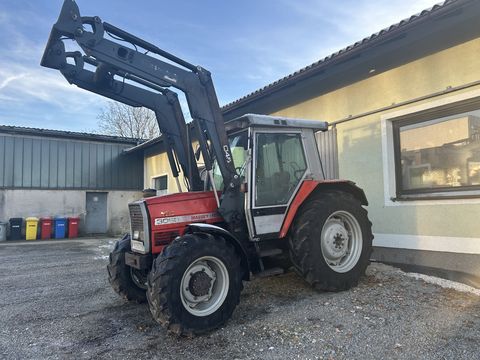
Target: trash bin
(73,227)
(3,230)
(45,228)
(31,225)
(16,228)
(60,223)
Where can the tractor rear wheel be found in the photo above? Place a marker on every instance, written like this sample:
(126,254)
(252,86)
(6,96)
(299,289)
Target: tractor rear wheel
(195,284)
(125,280)
(331,241)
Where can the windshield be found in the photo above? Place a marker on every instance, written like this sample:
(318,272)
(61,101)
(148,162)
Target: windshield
(238,145)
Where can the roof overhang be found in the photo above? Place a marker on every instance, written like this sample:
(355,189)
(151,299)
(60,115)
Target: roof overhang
(149,148)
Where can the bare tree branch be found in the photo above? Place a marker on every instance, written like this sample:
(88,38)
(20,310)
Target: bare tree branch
(127,121)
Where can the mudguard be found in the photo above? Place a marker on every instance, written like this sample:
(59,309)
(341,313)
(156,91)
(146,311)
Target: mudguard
(311,186)
(229,237)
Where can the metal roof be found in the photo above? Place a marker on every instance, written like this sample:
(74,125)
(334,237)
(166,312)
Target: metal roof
(20,130)
(145,145)
(350,51)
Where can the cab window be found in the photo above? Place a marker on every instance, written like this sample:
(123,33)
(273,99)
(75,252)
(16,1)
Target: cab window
(238,145)
(280,166)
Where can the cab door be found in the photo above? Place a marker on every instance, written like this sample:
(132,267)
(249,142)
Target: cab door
(278,169)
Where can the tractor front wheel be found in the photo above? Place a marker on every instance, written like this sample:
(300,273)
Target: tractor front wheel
(195,284)
(331,241)
(126,281)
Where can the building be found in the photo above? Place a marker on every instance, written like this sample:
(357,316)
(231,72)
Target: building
(404,110)
(61,173)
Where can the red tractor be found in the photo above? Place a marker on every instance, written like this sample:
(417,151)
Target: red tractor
(261,195)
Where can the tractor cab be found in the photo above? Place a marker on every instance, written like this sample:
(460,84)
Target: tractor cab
(273,156)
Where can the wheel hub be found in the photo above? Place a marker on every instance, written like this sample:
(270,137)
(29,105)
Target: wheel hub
(200,279)
(341,241)
(200,283)
(204,286)
(334,241)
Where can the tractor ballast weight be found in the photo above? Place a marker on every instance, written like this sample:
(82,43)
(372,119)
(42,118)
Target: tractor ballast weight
(264,200)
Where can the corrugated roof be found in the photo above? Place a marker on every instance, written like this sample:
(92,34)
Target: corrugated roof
(10,129)
(381,35)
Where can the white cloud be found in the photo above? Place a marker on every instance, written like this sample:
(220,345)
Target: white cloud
(251,59)
(25,84)
(9,79)
(29,93)
(326,28)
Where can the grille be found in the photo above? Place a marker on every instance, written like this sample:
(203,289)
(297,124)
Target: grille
(165,237)
(136,217)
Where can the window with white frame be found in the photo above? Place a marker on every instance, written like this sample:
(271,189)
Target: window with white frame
(160,183)
(437,152)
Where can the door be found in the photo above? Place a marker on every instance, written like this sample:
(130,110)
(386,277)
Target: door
(96,218)
(279,169)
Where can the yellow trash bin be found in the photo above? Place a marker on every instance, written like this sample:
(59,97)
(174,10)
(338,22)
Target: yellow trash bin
(31,228)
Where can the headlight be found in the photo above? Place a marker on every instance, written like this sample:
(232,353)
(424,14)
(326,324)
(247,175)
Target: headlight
(136,235)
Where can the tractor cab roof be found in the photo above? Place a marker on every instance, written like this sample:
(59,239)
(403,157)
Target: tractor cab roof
(255,120)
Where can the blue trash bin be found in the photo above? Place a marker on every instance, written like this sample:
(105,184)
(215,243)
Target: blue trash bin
(59,227)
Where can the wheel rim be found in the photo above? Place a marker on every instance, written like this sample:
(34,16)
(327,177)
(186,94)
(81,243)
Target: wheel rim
(341,241)
(139,279)
(204,286)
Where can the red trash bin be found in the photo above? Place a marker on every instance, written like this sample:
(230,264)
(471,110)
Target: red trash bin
(73,227)
(45,228)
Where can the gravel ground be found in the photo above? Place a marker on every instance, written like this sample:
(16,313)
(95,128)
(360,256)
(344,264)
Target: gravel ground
(55,302)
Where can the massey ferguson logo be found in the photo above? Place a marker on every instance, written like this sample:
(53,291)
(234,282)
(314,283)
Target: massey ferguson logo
(185,218)
(228,156)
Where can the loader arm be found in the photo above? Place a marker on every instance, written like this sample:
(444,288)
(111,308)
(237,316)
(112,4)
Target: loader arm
(164,104)
(113,59)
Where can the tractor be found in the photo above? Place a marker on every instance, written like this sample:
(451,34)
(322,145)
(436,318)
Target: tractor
(260,195)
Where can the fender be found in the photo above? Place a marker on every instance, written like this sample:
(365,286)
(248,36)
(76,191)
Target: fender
(229,237)
(309,187)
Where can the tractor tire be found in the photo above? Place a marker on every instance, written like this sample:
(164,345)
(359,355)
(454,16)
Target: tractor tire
(330,241)
(125,280)
(195,284)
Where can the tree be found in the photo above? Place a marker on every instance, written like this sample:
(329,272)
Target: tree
(127,121)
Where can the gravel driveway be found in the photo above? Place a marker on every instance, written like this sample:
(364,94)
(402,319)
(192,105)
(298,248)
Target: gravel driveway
(55,302)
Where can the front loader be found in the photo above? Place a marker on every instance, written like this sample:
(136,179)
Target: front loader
(264,195)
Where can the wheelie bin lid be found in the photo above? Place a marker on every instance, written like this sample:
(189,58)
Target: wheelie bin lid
(73,218)
(3,222)
(31,218)
(60,218)
(17,219)
(45,218)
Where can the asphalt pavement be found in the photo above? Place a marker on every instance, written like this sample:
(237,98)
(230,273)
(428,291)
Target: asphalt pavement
(56,303)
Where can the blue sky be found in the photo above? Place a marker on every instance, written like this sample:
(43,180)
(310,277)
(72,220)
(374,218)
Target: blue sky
(245,44)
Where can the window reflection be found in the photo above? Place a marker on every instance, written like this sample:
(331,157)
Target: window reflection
(441,154)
